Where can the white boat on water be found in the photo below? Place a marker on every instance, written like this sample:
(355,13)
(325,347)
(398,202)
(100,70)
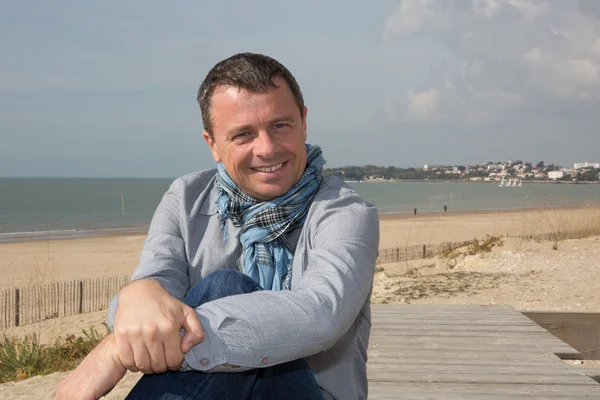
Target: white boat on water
(516,182)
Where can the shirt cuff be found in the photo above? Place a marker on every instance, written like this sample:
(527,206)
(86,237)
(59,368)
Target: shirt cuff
(210,355)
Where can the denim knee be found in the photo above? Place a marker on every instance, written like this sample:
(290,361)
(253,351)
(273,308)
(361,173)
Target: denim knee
(222,283)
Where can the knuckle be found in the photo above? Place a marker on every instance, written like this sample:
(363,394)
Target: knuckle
(125,332)
(160,369)
(166,328)
(175,362)
(131,366)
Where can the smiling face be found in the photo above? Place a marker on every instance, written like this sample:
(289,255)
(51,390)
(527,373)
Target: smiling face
(260,138)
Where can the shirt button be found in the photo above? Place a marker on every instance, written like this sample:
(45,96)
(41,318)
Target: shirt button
(265,360)
(204,362)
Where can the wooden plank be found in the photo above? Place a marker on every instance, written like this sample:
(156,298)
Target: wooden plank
(515,320)
(458,327)
(474,371)
(465,333)
(539,360)
(462,347)
(593,373)
(386,391)
(387,308)
(463,351)
(580,330)
(539,341)
(436,376)
(473,343)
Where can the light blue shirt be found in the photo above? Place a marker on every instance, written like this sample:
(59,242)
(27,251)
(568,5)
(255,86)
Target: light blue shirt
(324,318)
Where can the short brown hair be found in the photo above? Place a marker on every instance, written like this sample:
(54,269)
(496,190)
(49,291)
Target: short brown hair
(248,71)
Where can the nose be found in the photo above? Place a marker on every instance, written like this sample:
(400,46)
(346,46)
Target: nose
(265,145)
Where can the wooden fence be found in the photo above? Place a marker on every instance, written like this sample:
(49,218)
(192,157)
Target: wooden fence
(421,251)
(415,252)
(24,305)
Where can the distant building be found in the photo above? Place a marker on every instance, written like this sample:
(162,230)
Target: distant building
(586,165)
(425,167)
(556,175)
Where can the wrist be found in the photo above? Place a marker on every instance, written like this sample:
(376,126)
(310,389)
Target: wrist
(111,353)
(138,286)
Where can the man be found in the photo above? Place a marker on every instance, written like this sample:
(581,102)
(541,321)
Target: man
(255,278)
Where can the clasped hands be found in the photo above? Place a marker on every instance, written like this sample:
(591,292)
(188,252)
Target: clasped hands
(147,328)
(146,338)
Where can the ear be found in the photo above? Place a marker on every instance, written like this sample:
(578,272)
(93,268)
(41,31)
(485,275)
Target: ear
(304,113)
(213,147)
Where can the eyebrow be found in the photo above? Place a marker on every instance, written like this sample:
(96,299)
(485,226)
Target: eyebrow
(282,118)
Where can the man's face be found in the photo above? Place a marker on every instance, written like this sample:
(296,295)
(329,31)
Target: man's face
(260,138)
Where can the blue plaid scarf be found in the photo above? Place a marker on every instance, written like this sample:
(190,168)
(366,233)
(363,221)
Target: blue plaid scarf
(266,255)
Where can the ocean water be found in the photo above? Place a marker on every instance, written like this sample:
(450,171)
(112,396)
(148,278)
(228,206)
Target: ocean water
(60,207)
(51,205)
(403,197)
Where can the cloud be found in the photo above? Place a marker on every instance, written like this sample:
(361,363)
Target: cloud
(423,104)
(504,57)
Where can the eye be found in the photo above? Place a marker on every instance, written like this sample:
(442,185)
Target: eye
(241,135)
(281,125)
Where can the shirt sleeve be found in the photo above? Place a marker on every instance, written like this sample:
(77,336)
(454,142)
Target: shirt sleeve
(265,328)
(163,257)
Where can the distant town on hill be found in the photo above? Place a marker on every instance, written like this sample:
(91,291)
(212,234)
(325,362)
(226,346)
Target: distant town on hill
(509,172)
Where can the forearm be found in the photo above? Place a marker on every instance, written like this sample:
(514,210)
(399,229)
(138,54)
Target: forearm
(96,375)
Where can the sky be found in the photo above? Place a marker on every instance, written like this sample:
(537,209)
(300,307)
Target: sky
(107,89)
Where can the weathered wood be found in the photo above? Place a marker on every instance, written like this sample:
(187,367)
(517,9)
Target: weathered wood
(438,308)
(80,305)
(468,352)
(390,390)
(593,373)
(17,307)
(580,330)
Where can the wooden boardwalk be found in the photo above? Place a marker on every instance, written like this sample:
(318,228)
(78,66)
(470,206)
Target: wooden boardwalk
(468,352)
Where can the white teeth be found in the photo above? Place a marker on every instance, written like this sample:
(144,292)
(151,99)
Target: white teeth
(269,169)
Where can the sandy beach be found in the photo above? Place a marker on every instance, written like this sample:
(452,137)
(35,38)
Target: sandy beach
(526,274)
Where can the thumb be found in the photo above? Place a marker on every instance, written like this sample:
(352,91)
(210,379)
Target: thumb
(193,330)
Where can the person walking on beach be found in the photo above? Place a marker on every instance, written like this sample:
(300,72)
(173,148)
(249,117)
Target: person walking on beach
(445,208)
(415,210)
(255,277)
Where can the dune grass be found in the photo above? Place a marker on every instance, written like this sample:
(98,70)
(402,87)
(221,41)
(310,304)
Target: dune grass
(25,357)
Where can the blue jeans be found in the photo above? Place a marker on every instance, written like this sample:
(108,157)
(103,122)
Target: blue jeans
(291,380)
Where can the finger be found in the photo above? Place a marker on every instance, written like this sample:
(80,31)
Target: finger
(125,353)
(173,353)
(193,330)
(156,353)
(142,358)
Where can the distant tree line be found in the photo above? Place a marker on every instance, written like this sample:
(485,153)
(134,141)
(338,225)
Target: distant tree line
(354,173)
(588,174)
